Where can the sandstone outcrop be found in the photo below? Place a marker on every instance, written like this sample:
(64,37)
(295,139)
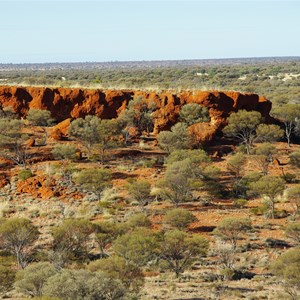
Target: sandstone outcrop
(67,103)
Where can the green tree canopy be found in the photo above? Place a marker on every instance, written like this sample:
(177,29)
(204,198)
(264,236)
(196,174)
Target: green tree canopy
(242,125)
(270,187)
(72,237)
(179,218)
(94,180)
(289,114)
(193,113)
(17,235)
(232,229)
(287,268)
(179,250)
(136,247)
(176,139)
(31,280)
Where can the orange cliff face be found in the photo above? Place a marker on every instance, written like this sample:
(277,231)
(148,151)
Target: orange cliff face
(66,103)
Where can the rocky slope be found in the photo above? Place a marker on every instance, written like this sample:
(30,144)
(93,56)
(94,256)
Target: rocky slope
(65,103)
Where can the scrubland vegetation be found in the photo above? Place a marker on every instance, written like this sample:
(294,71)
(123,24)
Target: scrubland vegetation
(277,79)
(113,212)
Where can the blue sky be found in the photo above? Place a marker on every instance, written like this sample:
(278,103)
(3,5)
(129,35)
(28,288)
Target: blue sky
(80,31)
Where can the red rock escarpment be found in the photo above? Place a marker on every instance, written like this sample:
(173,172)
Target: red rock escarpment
(65,103)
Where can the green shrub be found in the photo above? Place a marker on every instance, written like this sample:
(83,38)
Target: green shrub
(240,203)
(179,218)
(24,174)
(7,278)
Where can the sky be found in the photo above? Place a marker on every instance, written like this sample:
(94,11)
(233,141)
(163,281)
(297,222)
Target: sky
(81,31)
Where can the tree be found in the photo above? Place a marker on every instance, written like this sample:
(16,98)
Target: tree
(42,118)
(179,250)
(265,152)
(197,157)
(293,231)
(138,220)
(242,125)
(94,180)
(7,278)
(136,247)
(232,229)
(295,159)
(106,232)
(72,237)
(236,167)
(64,151)
(140,190)
(17,236)
(270,187)
(193,113)
(294,198)
(12,141)
(176,184)
(92,131)
(179,218)
(289,114)
(268,133)
(108,136)
(139,114)
(177,138)
(118,268)
(32,279)
(287,268)
(83,284)
(86,130)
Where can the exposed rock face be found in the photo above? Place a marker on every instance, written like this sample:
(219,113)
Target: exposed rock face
(66,103)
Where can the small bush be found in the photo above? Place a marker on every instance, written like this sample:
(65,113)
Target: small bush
(7,278)
(179,218)
(240,203)
(260,210)
(24,174)
(289,178)
(64,152)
